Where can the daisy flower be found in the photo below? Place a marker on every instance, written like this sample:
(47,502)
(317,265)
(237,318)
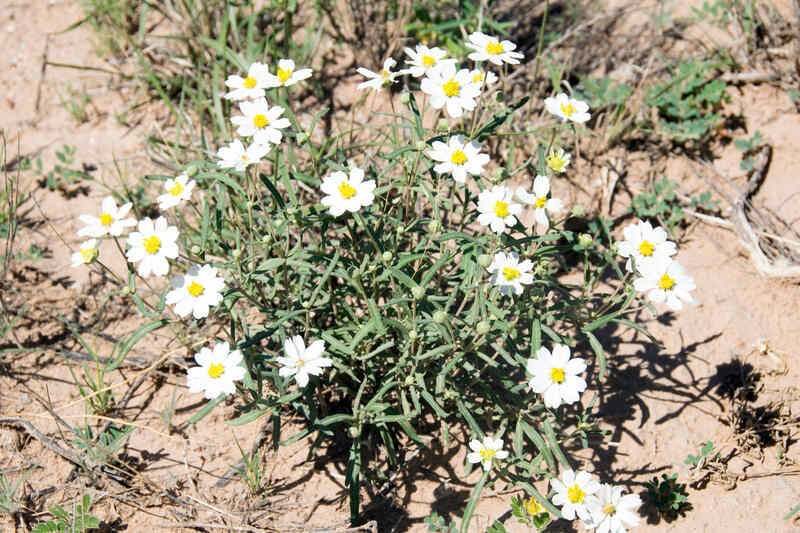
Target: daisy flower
(302,362)
(611,511)
(458,157)
(345,193)
(572,493)
(216,371)
(488,48)
(455,91)
(260,121)
(378,80)
(236,156)
(86,254)
(555,376)
(496,208)
(251,86)
(152,245)
(558,160)
(423,59)
(665,281)
(486,452)
(478,76)
(196,291)
(644,243)
(566,108)
(542,205)
(287,75)
(110,222)
(508,274)
(178,189)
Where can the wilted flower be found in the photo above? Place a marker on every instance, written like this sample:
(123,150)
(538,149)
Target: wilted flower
(236,156)
(558,160)
(380,79)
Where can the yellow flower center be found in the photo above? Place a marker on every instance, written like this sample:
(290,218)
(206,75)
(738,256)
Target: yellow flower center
(494,48)
(556,162)
(385,74)
(284,75)
(244,158)
(106,219)
(88,254)
(259,121)
(152,244)
(541,201)
(501,209)
(216,370)
(533,507)
(646,248)
(487,454)
(477,77)
(450,88)
(249,82)
(176,189)
(458,157)
(557,375)
(609,509)
(510,273)
(575,494)
(195,289)
(300,363)
(346,190)
(428,61)
(568,109)
(666,282)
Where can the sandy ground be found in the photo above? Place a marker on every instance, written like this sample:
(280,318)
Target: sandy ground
(658,405)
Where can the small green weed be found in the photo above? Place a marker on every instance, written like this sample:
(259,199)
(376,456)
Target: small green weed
(705,451)
(79,521)
(76,102)
(666,496)
(435,522)
(748,147)
(9,500)
(661,204)
(251,472)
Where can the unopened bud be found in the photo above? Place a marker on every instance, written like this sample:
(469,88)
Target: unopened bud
(578,211)
(443,124)
(191,171)
(483,327)
(236,253)
(421,145)
(412,335)
(434,226)
(417,292)
(386,256)
(405,98)
(196,250)
(485,260)
(301,138)
(584,240)
(439,317)
(499,96)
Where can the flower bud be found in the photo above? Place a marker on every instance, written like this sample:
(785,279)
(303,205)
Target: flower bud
(485,260)
(386,256)
(196,250)
(443,124)
(412,335)
(405,98)
(483,327)
(266,238)
(418,292)
(128,290)
(499,96)
(301,137)
(191,171)
(306,304)
(236,253)
(354,432)
(578,211)
(584,240)
(421,145)
(439,317)
(434,226)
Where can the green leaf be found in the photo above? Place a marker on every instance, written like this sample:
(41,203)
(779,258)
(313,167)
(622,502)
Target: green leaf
(201,414)
(599,352)
(473,501)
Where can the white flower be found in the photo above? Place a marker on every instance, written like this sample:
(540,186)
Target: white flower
(558,160)
(555,376)
(217,371)
(665,281)
(455,91)
(110,222)
(424,59)
(260,121)
(196,291)
(152,245)
(644,243)
(542,205)
(478,76)
(496,208)
(86,254)
(178,190)
(488,48)
(509,274)
(236,156)
(572,492)
(378,80)
(250,87)
(567,108)
(458,158)
(302,362)
(347,193)
(611,511)
(486,452)
(287,75)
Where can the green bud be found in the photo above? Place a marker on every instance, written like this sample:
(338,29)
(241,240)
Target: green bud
(236,253)
(578,211)
(301,138)
(499,96)
(405,98)
(128,290)
(266,238)
(443,124)
(409,380)
(191,171)
(306,305)
(418,292)
(483,327)
(196,250)
(485,260)
(421,145)
(439,317)
(584,240)
(386,256)
(354,432)
(356,274)
(434,226)
(412,335)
